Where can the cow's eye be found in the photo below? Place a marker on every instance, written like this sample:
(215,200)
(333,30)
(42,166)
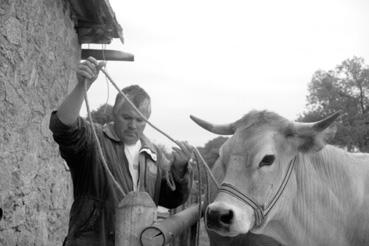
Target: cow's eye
(267,160)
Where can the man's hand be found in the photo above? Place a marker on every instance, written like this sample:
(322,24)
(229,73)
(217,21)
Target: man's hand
(89,70)
(181,156)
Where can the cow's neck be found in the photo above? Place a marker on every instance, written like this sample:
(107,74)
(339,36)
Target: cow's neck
(329,188)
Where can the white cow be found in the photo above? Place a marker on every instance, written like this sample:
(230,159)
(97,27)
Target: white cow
(282,180)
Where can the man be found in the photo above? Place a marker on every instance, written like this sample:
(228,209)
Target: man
(125,148)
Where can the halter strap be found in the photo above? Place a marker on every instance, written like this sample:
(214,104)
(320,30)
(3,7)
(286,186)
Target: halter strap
(260,211)
(233,191)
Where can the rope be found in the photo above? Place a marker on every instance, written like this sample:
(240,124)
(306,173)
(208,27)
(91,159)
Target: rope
(136,109)
(207,192)
(196,151)
(157,129)
(205,164)
(199,201)
(99,145)
(103,46)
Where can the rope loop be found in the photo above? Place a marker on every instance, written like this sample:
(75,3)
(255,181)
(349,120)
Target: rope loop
(199,158)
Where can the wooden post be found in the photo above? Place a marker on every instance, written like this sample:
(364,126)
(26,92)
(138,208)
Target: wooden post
(134,213)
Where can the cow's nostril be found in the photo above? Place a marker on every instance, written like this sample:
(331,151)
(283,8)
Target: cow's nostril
(219,217)
(227,217)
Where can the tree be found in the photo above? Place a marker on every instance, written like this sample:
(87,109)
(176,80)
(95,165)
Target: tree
(345,89)
(104,114)
(210,151)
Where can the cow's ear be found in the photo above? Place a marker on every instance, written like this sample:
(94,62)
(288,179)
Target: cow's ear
(315,141)
(311,137)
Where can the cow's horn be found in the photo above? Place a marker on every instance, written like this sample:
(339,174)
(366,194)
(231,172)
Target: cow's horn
(228,129)
(318,126)
(324,123)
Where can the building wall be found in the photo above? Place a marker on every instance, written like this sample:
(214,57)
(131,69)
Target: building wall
(38,48)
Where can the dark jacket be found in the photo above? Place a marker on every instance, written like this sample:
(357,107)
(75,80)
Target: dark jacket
(92,213)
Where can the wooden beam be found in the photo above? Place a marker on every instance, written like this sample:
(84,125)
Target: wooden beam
(163,232)
(108,55)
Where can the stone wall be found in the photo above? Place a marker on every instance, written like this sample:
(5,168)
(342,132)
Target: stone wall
(38,47)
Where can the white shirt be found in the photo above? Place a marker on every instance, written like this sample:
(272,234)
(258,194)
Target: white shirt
(132,152)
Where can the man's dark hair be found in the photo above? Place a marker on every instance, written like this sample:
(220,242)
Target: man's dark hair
(135,93)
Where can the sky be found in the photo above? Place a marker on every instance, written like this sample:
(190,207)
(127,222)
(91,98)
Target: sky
(220,59)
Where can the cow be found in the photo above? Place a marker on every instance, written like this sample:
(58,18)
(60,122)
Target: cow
(281,179)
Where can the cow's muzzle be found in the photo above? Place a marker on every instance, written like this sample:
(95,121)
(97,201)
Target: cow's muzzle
(219,217)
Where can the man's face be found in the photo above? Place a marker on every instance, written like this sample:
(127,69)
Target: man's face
(128,125)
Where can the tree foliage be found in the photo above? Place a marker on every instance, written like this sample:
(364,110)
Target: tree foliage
(104,114)
(345,89)
(210,151)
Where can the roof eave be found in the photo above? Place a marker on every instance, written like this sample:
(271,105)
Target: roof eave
(96,21)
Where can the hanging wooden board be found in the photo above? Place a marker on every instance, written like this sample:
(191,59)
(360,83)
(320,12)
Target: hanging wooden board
(134,213)
(107,55)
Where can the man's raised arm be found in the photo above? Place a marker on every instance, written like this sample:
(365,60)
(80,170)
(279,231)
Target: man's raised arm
(88,71)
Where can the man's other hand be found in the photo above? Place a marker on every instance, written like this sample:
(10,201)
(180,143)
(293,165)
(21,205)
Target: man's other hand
(181,156)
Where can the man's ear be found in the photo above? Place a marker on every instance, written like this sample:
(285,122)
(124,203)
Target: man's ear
(312,137)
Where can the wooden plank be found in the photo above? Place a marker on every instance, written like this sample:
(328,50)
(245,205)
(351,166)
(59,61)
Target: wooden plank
(108,55)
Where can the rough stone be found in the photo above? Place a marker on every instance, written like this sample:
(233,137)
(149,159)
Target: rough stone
(38,48)
(13,30)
